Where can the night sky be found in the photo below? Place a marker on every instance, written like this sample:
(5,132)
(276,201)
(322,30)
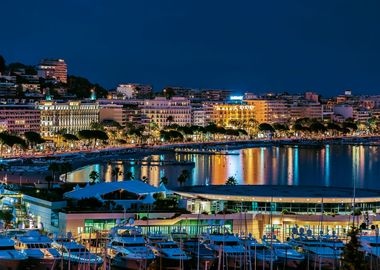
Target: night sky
(257,46)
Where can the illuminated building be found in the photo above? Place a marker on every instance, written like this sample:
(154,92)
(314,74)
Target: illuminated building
(123,114)
(224,114)
(306,110)
(71,116)
(164,112)
(53,69)
(202,115)
(269,110)
(134,90)
(20,118)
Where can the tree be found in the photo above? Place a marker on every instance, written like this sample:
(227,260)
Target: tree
(92,135)
(231,181)
(164,180)
(116,172)
(170,119)
(65,168)
(49,179)
(317,127)
(81,87)
(54,168)
(129,176)
(266,127)
(94,176)
(144,179)
(168,92)
(183,177)
(7,217)
(353,258)
(69,137)
(33,138)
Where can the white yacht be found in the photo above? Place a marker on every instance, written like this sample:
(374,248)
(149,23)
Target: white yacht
(10,258)
(127,248)
(170,256)
(317,253)
(371,247)
(75,255)
(228,248)
(260,255)
(286,255)
(38,248)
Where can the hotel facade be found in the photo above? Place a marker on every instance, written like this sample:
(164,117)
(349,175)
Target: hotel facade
(20,118)
(71,116)
(164,112)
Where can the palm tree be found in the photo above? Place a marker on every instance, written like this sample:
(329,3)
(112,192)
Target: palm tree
(183,177)
(144,179)
(65,168)
(116,172)
(129,176)
(164,180)
(48,180)
(94,176)
(170,119)
(231,181)
(54,168)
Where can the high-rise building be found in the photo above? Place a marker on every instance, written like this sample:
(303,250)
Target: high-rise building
(71,116)
(20,118)
(164,112)
(53,69)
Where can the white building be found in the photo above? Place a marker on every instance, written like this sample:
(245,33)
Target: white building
(134,90)
(71,116)
(164,112)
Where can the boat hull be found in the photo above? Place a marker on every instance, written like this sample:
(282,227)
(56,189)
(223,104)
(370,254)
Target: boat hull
(40,264)
(172,264)
(131,264)
(6,264)
(80,266)
(290,263)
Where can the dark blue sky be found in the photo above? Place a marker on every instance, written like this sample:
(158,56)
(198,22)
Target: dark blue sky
(256,46)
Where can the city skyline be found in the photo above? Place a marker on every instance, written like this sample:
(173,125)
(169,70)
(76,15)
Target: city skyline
(325,47)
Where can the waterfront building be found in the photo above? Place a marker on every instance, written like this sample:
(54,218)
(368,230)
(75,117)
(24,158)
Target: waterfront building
(202,115)
(53,69)
(269,110)
(280,208)
(134,90)
(120,113)
(306,110)
(164,112)
(20,118)
(71,116)
(120,200)
(227,114)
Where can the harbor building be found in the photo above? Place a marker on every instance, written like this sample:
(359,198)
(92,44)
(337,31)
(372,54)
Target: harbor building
(71,116)
(53,69)
(255,209)
(164,112)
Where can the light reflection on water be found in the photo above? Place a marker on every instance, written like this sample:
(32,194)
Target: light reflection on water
(334,165)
